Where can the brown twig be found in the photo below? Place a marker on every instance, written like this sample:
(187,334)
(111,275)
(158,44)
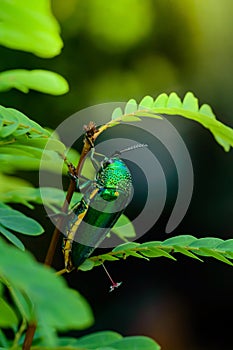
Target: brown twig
(91,133)
(88,144)
(29,336)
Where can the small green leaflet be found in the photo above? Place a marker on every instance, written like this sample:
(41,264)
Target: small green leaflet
(30,26)
(11,219)
(8,318)
(123,228)
(41,80)
(15,220)
(11,237)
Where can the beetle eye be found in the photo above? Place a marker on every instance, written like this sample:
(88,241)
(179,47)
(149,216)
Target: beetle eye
(106,163)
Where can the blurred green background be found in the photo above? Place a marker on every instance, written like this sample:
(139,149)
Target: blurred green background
(114,51)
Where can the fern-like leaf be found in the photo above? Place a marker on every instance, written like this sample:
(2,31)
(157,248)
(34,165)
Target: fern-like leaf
(23,141)
(173,105)
(108,340)
(185,244)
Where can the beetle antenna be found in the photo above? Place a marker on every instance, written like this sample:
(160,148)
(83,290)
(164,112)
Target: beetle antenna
(131,148)
(114,284)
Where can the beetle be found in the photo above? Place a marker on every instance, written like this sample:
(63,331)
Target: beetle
(103,202)
(93,217)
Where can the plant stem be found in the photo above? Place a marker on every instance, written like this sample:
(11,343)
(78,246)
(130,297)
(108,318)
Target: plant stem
(19,333)
(91,133)
(88,144)
(29,336)
(56,232)
(90,136)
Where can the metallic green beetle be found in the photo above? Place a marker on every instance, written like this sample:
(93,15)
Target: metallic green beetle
(93,217)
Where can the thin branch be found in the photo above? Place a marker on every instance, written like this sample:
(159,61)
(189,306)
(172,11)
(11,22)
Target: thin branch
(91,133)
(88,144)
(29,336)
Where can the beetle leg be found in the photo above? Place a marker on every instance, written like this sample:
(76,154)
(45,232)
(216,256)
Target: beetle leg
(67,247)
(95,162)
(114,284)
(56,216)
(85,184)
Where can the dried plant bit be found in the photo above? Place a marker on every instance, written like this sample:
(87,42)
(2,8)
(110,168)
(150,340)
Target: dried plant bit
(114,285)
(90,127)
(70,166)
(90,131)
(72,172)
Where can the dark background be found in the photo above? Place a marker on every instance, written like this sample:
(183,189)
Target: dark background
(126,49)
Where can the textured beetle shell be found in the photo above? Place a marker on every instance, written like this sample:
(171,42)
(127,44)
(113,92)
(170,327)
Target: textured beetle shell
(94,216)
(115,175)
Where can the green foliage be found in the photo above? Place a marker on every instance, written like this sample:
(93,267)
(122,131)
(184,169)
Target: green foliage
(187,245)
(173,105)
(14,220)
(31,27)
(123,228)
(106,340)
(8,318)
(18,19)
(51,197)
(110,340)
(39,284)
(22,142)
(40,80)
(35,294)
(32,288)
(15,124)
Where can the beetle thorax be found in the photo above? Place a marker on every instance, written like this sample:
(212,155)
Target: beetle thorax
(114,174)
